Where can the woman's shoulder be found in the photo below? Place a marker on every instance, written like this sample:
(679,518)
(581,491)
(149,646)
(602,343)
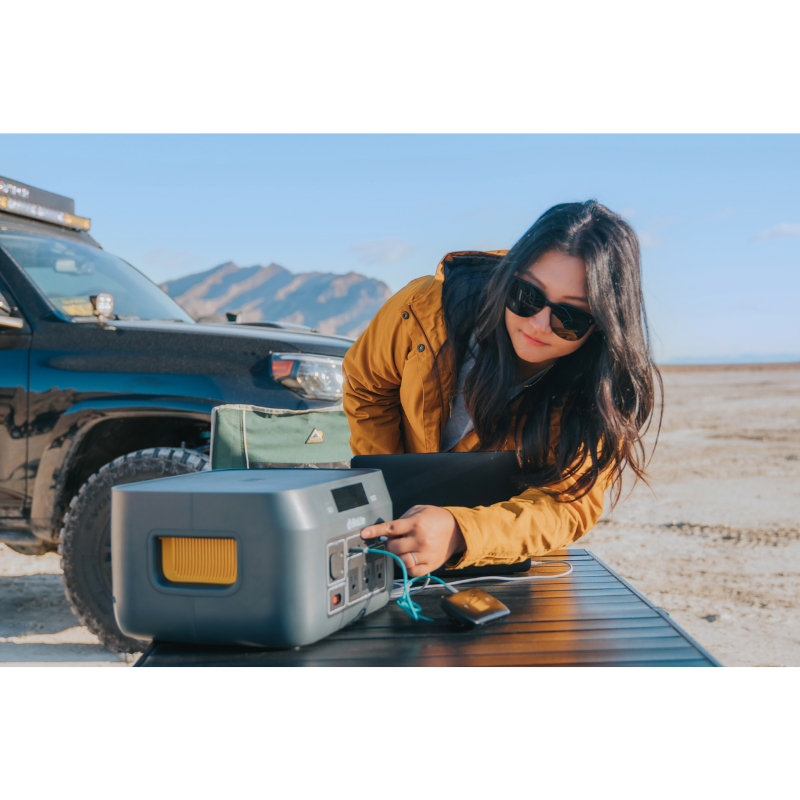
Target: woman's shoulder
(469,264)
(460,269)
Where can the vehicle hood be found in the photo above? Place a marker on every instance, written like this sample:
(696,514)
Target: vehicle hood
(277,339)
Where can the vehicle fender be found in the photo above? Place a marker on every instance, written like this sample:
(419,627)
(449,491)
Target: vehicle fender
(67,437)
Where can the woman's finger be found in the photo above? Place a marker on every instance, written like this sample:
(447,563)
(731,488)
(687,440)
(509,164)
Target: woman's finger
(414,569)
(401,545)
(398,527)
(408,561)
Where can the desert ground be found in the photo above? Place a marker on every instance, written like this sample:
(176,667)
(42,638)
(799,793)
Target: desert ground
(714,540)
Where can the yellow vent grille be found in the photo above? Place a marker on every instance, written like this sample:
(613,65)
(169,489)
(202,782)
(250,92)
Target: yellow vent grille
(189,560)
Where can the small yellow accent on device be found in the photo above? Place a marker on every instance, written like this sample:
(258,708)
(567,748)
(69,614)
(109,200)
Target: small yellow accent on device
(198,560)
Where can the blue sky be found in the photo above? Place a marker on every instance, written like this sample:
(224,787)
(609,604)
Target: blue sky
(718,216)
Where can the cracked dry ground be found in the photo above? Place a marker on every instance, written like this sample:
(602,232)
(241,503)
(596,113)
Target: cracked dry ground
(716,543)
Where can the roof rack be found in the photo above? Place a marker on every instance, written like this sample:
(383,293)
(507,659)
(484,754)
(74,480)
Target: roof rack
(28,201)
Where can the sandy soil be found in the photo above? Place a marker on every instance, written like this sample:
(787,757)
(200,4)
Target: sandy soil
(716,543)
(37,627)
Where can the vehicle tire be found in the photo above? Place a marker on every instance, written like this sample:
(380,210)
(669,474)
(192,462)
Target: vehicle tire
(86,537)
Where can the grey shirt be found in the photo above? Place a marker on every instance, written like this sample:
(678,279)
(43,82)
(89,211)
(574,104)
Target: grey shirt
(459,423)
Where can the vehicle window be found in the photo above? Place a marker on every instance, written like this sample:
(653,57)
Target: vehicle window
(70,274)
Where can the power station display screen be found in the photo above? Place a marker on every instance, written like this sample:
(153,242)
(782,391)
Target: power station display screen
(348,497)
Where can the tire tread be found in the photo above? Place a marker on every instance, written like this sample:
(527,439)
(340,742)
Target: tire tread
(170,461)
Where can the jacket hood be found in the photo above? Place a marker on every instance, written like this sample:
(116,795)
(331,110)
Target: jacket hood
(466,258)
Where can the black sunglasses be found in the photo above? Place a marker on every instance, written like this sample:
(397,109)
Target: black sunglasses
(566,322)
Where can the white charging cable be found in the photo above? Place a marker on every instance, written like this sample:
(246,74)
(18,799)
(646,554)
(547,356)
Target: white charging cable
(397,586)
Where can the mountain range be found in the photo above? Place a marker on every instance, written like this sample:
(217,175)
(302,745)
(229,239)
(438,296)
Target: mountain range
(326,302)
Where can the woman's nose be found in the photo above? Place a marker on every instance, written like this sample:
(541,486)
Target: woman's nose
(541,321)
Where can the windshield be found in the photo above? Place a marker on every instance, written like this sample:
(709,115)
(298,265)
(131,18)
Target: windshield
(70,274)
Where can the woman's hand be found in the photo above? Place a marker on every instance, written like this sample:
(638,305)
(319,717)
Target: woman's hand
(429,532)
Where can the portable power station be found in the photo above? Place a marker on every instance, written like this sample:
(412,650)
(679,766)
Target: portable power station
(247,557)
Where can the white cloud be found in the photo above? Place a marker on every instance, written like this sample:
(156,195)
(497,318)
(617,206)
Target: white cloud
(382,251)
(779,231)
(647,239)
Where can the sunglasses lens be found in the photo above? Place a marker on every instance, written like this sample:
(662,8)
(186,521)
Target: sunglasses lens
(570,324)
(564,333)
(524,300)
(566,322)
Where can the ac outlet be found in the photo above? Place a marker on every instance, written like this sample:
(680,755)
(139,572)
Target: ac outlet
(377,567)
(378,574)
(353,582)
(366,577)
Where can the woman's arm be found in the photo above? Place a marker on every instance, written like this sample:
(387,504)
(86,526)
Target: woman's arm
(526,526)
(529,525)
(533,522)
(373,372)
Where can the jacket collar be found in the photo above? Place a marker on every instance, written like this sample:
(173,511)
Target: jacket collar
(426,303)
(426,306)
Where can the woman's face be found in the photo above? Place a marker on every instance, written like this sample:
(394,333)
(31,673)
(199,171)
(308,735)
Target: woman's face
(562,278)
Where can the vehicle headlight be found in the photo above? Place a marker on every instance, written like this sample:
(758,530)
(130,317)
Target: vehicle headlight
(313,377)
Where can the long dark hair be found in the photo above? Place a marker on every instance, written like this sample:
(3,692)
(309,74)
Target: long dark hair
(605,390)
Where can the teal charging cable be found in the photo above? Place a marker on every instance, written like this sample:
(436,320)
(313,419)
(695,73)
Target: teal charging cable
(414,610)
(405,602)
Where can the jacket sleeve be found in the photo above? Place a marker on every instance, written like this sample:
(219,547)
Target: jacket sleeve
(373,372)
(529,525)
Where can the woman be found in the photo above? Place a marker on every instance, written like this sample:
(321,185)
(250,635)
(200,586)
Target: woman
(542,349)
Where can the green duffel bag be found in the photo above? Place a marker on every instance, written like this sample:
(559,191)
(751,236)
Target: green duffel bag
(249,437)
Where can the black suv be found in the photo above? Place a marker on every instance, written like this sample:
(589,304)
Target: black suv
(105,380)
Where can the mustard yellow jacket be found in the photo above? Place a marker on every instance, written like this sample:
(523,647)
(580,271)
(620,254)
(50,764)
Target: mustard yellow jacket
(395,404)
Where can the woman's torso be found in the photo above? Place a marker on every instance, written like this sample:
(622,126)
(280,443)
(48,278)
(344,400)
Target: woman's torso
(427,384)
